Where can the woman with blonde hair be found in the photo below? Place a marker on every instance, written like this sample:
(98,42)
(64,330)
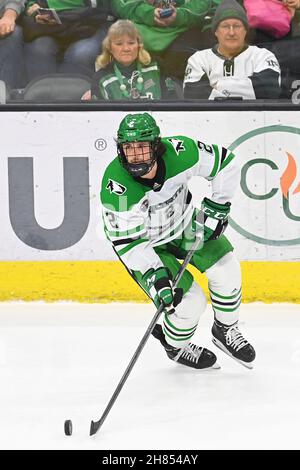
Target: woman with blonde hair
(125,71)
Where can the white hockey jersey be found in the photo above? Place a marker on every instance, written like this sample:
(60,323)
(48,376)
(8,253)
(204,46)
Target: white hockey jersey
(138,217)
(254,73)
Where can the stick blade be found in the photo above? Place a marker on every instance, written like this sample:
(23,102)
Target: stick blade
(95,425)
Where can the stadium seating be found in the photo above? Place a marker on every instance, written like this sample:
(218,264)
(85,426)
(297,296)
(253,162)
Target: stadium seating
(56,88)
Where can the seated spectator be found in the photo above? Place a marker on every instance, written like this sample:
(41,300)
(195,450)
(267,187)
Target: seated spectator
(11,44)
(174,37)
(286,49)
(232,68)
(124,69)
(292,5)
(68,47)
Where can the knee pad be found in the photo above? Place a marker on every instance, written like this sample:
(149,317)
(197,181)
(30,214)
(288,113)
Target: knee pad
(193,304)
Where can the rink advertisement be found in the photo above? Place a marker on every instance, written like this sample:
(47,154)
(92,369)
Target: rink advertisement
(51,173)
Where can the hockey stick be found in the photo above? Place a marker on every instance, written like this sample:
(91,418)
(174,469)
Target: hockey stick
(95,425)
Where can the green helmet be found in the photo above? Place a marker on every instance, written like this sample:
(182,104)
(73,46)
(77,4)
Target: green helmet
(138,128)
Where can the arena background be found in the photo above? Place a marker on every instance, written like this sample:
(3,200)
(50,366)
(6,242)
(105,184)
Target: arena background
(53,246)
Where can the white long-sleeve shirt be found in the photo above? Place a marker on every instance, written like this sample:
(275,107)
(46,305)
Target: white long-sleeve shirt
(254,73)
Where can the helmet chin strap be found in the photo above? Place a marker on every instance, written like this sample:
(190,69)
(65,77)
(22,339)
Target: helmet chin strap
(140,169)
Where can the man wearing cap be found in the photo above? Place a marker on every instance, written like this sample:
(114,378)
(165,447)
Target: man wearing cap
(232,68)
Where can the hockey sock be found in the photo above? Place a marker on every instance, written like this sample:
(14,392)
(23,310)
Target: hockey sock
(226,307)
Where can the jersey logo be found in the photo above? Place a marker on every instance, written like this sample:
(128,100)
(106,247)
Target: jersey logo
(272,63)
(156,186)
(115,187)
(188,72)
(177,144)
(150,281)
(205,147)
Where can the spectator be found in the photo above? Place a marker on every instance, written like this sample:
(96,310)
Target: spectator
(292,5)
(11,44)
(286,49)
(68,47)
(232,68)
(158,32)
(125,70)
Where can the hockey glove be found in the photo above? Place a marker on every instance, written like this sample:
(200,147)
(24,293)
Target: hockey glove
(158,285)
(215,218)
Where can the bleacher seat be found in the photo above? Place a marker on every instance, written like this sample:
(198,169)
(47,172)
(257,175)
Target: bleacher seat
(56,88)
(3,92)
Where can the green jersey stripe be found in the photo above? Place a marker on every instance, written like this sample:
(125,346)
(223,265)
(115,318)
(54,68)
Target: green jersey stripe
(227,160)
(217,161)
(119,233)
(130,246)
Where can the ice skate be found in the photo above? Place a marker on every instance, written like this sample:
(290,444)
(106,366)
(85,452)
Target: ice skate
(191,355)
(230,340)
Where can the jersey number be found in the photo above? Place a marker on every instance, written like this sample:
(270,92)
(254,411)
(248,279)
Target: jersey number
(112,219)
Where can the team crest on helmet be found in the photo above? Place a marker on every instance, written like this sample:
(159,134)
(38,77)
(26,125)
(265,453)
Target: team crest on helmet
(177,144)
(115,187)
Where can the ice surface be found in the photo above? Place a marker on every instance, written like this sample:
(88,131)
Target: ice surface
(63,361)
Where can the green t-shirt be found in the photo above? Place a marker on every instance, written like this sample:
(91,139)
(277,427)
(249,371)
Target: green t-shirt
(190,13)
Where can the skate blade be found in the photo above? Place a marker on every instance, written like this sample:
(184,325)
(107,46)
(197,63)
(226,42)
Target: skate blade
(215,366)
(217,343)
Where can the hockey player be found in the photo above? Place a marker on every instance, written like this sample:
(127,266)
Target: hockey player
(232,68)
(151,223)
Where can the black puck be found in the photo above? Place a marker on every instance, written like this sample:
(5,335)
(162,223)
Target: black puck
(68,427)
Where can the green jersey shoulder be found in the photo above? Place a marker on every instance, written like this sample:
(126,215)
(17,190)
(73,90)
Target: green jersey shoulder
(182,156)
(184,153)
(119,190)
